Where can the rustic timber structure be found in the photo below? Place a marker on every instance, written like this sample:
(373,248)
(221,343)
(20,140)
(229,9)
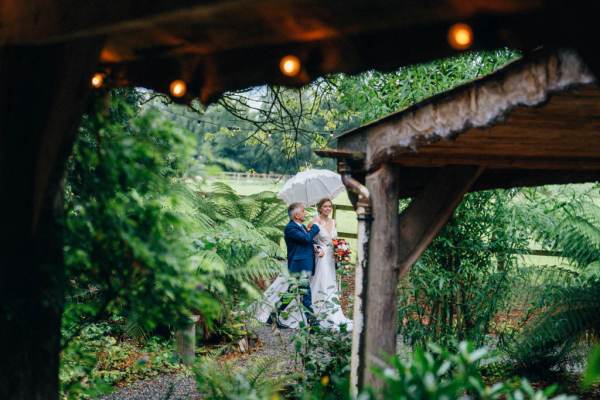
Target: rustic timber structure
(49,49)
(534,122)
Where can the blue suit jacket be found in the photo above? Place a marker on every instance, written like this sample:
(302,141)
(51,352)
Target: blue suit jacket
(299,243)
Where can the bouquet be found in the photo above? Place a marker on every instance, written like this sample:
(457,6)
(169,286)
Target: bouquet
(341,251)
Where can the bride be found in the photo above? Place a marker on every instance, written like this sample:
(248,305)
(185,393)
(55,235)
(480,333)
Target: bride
(323,284)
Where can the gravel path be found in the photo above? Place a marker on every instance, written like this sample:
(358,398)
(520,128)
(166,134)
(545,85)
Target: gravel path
(275,343)
(164,387)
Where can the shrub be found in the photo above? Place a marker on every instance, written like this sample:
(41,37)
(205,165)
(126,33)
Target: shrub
(465,277)
(223,381)
(102,357)
(436,373)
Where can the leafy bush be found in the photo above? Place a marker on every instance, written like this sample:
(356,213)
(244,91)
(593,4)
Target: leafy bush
(102,357)
(567,309)
(226,382)
(323,352)
(465,277)
(141,244)
(435,373)
(438,374)
(126,250)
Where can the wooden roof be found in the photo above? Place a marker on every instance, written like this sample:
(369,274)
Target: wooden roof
(231,44)
(535,121)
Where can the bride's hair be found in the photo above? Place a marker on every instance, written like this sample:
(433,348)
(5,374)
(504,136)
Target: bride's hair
(322,202)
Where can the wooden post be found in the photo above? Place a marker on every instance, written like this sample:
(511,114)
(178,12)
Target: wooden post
(381,313)
(186,341)
(43,93)
(398,241)
(360,199)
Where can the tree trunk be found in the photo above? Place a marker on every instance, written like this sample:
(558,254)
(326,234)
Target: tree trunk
(42,97)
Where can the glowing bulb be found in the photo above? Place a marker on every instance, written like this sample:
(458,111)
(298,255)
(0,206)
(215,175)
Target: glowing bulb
(98,80)
(460,36)
(290,65)
(178,88)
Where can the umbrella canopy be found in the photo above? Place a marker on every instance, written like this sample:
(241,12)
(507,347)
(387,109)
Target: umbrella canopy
(310,186)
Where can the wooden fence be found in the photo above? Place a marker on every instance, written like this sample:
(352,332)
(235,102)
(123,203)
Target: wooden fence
(239,176)
(345,235)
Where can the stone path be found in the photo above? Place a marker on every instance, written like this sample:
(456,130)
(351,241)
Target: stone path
(275,343)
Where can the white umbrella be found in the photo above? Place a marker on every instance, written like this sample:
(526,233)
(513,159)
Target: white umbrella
(310,186)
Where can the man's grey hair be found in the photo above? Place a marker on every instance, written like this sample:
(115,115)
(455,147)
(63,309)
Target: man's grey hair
(294,208)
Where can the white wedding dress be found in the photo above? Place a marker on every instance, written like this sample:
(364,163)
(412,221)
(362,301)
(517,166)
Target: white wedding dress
(323,285)
(324,291)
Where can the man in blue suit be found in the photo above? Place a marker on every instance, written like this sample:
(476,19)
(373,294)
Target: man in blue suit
(300,249)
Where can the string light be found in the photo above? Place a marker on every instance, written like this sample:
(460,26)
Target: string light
(290,65)
(97,80)
(178,88)
(460,36)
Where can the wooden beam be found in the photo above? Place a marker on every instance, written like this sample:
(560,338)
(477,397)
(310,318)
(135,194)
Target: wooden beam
(430,210)
(282,20)
(341,154)
(415,178)
(501,162)
(398,241)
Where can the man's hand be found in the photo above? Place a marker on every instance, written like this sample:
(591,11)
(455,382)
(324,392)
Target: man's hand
(321,253)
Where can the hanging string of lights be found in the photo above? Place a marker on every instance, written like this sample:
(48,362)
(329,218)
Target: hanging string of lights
(460,37)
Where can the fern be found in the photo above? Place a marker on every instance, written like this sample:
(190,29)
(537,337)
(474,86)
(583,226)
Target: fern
(570,303)
(224,381)
(237,242)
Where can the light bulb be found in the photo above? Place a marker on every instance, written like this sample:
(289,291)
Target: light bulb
(290,65)
(460,36)
(178,88)
(97,80)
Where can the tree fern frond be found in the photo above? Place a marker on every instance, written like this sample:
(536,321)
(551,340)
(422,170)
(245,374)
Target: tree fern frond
(271,216)
(223,189)
(274,234)
(570,312)
(579,240)
(209,262)
(206,222)
(258,267)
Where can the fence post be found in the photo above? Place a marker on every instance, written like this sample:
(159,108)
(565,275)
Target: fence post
(186,341)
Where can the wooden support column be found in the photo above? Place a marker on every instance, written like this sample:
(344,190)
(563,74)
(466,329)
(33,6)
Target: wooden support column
(43,92)
(359,196)
(380,316)
(398,241)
